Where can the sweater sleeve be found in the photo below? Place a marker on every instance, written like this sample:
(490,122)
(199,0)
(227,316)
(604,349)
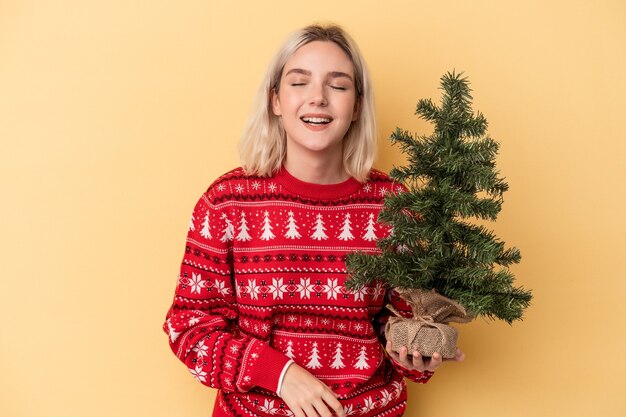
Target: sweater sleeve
(202,320)
(380,320)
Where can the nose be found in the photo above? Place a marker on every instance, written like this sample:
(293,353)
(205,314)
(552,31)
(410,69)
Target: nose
(318,94)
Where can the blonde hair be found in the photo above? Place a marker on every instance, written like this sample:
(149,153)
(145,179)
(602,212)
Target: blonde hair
(263,144)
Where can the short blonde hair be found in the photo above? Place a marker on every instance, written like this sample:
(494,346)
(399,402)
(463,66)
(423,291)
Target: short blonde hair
(263,144)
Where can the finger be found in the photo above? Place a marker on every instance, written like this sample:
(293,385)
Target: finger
(459,356)
(391,353)
(321,409)
(403,355)
(330,398)
(297,412)
(418,361)
(394,356)
(309,410)
(434,362)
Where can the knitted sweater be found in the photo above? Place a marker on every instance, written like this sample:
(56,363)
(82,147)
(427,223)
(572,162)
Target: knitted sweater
(262,283)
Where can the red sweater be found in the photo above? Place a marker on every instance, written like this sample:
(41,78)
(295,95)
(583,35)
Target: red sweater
(262,282)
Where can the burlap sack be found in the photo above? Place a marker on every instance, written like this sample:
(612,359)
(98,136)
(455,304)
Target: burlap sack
(427,332)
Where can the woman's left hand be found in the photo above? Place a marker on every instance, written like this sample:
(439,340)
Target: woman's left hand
(417,362)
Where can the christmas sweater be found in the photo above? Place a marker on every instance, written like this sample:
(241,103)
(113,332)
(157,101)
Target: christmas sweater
(262,282)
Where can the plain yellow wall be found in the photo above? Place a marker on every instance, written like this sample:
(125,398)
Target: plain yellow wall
(116,115)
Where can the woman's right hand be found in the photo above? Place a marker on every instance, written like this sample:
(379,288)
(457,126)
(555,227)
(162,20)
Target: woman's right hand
(307,396)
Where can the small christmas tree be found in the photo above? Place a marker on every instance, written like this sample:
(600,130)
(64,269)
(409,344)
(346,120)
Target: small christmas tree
(450,180)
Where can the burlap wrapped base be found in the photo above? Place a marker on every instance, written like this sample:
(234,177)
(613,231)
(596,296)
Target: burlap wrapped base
(427,332)
(421,336)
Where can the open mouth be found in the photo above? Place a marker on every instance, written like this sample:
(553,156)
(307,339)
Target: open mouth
(316,121)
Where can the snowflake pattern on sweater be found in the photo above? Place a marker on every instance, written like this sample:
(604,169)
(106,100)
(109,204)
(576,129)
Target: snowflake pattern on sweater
(263,281)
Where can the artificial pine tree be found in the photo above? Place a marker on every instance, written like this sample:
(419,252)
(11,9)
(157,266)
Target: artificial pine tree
(436,250)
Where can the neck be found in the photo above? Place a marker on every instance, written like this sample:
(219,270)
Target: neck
(317,170)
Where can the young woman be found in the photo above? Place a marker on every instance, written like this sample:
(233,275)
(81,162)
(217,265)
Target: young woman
(261,311)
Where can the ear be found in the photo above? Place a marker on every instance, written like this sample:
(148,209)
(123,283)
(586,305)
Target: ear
(275,103)
(357,108)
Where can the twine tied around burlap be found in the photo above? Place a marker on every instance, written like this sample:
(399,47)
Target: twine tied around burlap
(427,331)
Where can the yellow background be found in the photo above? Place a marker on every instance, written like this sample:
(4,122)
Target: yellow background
(116,115)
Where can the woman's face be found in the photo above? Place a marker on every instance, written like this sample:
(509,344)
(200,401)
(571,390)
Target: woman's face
(317,99)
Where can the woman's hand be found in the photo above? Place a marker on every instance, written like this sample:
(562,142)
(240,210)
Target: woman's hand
(307,396)
(417,362)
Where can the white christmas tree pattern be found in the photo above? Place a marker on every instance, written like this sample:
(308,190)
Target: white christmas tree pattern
(361,362)
(292,228)
(314,359)
(206,231)
(289,352)
(346,230)
(173,334)
(338,359)
(267,227)
(243,229)
(192,226)
(318,230)
(370,229)
(229,230)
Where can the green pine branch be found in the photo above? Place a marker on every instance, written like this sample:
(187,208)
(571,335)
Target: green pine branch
(451,180)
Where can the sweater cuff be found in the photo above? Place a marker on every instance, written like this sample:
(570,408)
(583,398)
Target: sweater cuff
(266,372)
(282,376)
(412,374)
